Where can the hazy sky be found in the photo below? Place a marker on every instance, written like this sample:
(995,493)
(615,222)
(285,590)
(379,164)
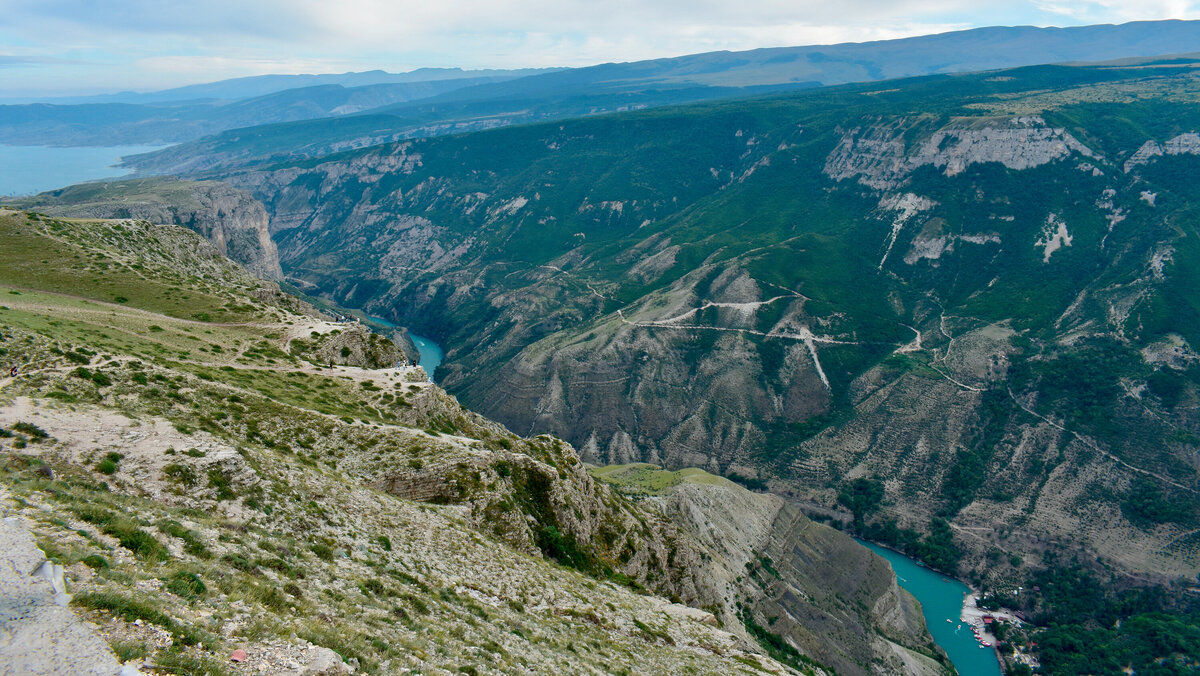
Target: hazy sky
(52,47)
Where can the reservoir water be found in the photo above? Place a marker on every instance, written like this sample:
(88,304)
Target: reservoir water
(431,354)
(941,599)
(25,170)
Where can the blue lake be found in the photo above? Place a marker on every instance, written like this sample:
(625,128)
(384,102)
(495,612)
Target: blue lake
(25,170)
(941,599)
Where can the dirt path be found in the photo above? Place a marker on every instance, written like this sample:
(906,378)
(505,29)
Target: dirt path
(1096,447)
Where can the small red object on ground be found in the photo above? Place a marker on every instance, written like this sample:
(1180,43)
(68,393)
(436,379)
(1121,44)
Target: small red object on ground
(238,655)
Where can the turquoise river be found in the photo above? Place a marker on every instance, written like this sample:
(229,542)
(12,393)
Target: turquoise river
(431,354)
(942,599)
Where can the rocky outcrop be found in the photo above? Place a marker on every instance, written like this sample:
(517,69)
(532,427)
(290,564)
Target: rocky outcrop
(748,558)
(348,344)
(1184,144)
(834,600)
(233,221)
(879,157)
(39,635)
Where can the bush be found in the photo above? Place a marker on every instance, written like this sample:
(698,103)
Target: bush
(222,482)
(109,464)
(174,662)
(186,585)
(77,358)
(191,541)
(132,609)
(143,545)
(30,430)
(95,561)
(180,474)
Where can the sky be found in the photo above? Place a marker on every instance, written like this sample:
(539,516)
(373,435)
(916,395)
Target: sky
(77,47)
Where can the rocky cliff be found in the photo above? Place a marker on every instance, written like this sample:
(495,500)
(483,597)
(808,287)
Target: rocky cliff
(233,221)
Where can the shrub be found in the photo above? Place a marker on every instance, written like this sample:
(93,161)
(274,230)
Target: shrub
(77,358)
(186,585)
(191,541)
(240,563)
(109,464)
(177,662)
(222,482)
(180,474)
(142,544)
(95,561)
(30,430)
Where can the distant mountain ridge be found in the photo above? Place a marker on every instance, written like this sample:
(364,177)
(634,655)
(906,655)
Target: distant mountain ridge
(614,87)
(435,101)
(171,122)
(261,85)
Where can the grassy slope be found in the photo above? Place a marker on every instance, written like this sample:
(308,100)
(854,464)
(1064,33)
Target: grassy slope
(199,478)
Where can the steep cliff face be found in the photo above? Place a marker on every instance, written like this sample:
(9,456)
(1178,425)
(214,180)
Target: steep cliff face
(768,565)
(232,220)
(879,157)
(760,565)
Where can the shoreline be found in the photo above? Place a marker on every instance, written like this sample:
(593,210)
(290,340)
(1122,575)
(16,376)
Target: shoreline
(972,616)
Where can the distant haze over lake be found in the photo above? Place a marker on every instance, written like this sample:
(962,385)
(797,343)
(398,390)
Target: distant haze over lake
(26,170)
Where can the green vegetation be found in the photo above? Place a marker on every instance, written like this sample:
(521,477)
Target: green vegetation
(695,284)
(938,549)
(778,648)
(1083,624)
(861,497)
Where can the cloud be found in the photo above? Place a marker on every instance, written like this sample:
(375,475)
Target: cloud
(14,60)
(1118,11)
(162,43)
